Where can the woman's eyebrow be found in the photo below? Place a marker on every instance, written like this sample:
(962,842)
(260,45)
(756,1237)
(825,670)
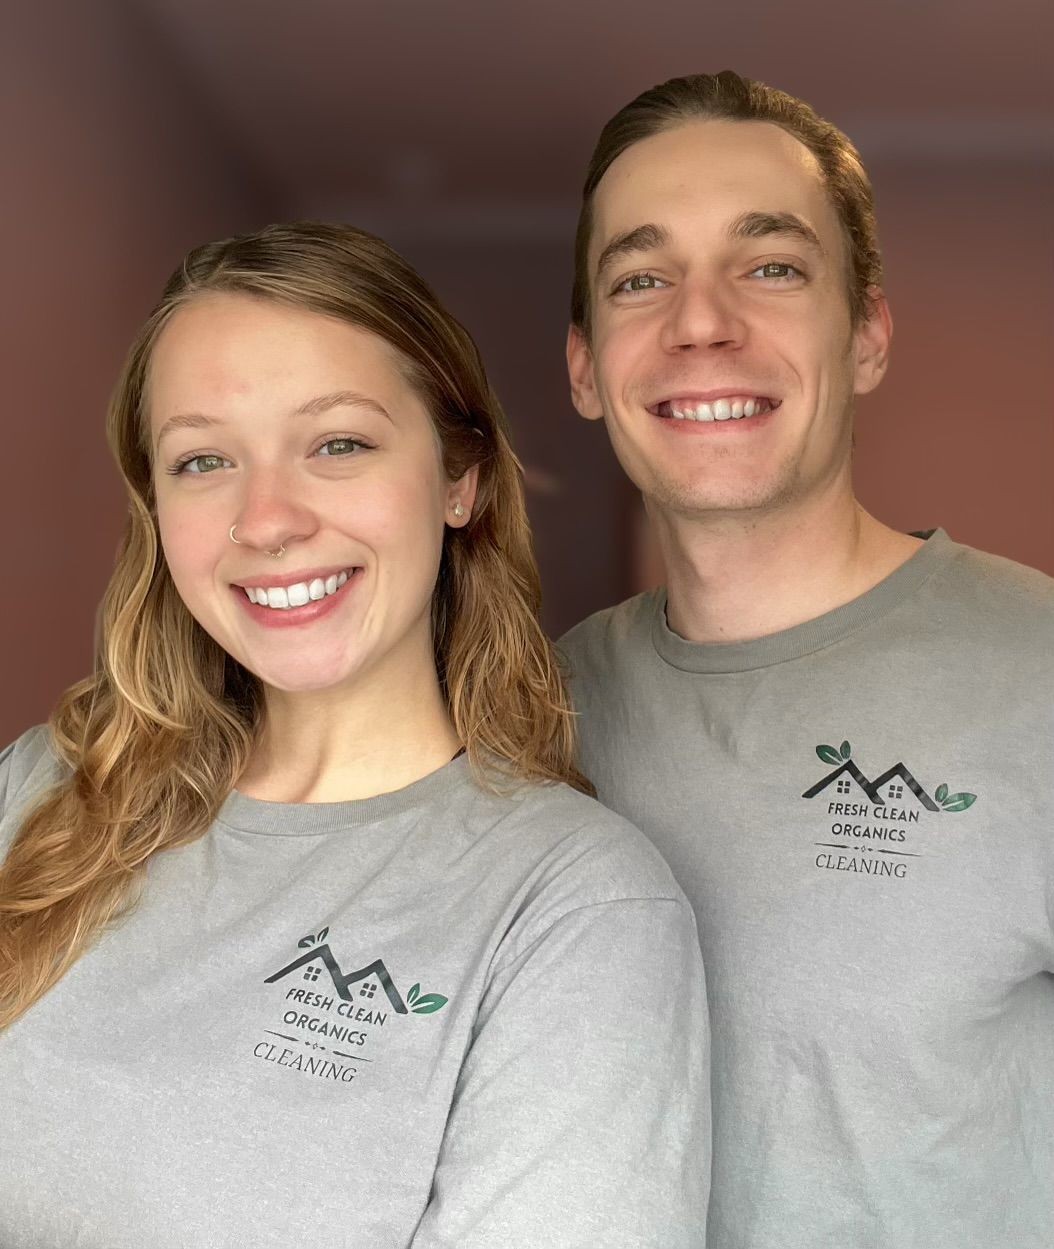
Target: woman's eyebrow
(186,420)
(340,399)
(310,407)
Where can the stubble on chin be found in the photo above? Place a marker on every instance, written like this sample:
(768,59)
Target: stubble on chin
(711,492)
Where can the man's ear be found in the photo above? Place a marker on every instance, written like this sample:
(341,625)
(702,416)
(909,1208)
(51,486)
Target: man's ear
(871,340)
(580,370)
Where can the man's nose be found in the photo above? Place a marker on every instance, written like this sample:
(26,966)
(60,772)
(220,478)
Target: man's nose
(702,316)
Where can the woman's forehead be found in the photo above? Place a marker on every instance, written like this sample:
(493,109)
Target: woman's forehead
(224,352)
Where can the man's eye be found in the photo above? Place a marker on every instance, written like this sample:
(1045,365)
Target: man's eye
(340,446)
(199,464)
(777,269)
(639,282)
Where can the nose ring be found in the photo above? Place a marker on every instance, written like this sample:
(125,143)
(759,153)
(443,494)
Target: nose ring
(274,554)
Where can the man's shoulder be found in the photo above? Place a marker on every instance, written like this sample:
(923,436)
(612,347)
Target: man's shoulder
(992,588)
(610,630)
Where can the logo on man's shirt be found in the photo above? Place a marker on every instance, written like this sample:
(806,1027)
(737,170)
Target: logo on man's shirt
(339,1014)
(895,800)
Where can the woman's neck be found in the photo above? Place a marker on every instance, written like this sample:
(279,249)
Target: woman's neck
(378,735)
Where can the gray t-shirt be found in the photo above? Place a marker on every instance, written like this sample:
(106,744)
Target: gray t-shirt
(860,809)
(433,1018)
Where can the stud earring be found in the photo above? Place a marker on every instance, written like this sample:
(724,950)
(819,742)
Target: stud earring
(459,511)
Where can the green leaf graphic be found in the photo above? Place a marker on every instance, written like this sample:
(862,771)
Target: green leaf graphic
(942,792)
(846,750)
(411,997)
(322,935)
(828,754)
(428,1003)
(959,802)
(305,941)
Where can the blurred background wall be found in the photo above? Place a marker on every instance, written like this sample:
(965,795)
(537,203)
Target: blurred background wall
(135,129)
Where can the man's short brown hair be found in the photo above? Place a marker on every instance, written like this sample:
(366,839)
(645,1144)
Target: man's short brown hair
(728,97)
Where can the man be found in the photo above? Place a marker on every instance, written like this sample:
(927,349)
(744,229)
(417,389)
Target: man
(840,736)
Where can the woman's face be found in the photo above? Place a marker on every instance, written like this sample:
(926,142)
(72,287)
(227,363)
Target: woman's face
(302,433)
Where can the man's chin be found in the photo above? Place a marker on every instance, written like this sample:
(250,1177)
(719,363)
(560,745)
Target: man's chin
(705,500)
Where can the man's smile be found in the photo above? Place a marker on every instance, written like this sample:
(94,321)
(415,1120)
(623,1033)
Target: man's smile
(725,407)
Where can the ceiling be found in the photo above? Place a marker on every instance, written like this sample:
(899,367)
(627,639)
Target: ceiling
(486,111)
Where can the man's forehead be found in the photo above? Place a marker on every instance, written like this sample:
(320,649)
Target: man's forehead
(715,168)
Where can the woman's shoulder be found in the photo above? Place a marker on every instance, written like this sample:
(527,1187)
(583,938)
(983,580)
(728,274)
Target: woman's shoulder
(571,868)
(570,838)
(28,766)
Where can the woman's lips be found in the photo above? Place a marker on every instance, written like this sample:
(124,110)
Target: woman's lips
(285,604)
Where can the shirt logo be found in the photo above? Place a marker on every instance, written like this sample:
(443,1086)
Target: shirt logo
(339,1014)
(895,802)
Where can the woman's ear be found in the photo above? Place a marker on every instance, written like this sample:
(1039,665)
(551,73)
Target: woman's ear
(461,498)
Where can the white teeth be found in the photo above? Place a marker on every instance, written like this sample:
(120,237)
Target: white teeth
(728,409)
(282,598)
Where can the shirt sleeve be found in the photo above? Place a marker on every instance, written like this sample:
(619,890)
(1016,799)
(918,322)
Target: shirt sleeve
(581,1118)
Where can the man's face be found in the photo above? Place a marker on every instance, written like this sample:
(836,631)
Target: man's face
(722,354)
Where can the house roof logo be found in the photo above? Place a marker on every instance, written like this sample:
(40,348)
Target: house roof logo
(844,767)
(317,950)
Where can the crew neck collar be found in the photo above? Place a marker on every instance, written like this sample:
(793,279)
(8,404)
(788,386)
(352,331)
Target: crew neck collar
(291,819)
(715,657)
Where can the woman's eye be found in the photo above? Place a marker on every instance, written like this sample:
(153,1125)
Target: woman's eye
(340,446)
(777,269)
(200,464)
(639,282)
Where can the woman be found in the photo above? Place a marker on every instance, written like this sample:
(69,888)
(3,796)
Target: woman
(305,933)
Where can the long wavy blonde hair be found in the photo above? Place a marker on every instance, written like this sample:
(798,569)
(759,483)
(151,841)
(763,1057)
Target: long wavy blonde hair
(156,739)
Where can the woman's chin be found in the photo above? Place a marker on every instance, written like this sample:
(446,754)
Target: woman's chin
(304,677)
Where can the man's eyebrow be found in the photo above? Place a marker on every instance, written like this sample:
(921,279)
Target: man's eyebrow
(640,239)
(756,225)
(310,407)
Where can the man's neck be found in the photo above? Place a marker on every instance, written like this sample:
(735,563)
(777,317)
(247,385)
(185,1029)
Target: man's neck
(737,577)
